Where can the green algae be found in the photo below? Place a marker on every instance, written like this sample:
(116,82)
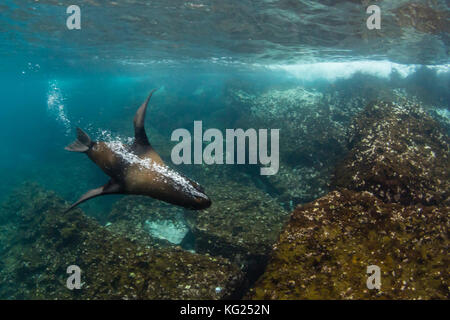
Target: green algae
(113,267)
(399,153)
(242,223)
(328,244)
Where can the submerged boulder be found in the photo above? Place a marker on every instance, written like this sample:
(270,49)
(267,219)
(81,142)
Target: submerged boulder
(46,242)
(299,184)
(312,135)
(313,129)
(242,223)
(148,222)
(328,244)
(422,18)
(399,153)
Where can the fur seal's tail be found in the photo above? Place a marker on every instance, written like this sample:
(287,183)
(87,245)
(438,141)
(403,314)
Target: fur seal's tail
(82,144)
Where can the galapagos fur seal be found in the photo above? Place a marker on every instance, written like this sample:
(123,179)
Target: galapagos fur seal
(137,169)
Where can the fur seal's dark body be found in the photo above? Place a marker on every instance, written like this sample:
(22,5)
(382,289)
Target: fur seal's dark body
(138,169)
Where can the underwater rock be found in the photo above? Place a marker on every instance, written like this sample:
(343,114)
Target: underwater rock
(173,231)
(242,223)
(148,222)
(312,139)
(309,134)
(328,244)
(422,18)
(47,241)
(300,184)
(399,153)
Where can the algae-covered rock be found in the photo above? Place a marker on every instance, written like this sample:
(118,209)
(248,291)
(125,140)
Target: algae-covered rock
(47,241)
(312,135)
(328,244)
(242,223)
(312,128)
(422,18)
(300,184)
(399,153)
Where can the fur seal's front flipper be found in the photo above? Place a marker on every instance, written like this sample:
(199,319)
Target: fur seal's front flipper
(82,144)
(109,188)
(140,137)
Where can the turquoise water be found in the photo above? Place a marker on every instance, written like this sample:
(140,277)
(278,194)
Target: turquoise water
(44,111)
(40,112)
(231,64)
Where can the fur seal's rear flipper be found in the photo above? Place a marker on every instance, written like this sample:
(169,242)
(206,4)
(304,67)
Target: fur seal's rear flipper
(109,188)
(140,137)
(82,144)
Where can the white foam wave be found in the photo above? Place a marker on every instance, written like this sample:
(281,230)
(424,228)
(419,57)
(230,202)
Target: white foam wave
(332,71)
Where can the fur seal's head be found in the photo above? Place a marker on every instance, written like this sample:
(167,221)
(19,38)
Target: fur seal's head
(198,201)
(194,196)
(201,204)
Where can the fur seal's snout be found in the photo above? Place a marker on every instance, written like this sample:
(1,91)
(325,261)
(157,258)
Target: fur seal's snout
(138,169)
(201,202)
(204,204)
